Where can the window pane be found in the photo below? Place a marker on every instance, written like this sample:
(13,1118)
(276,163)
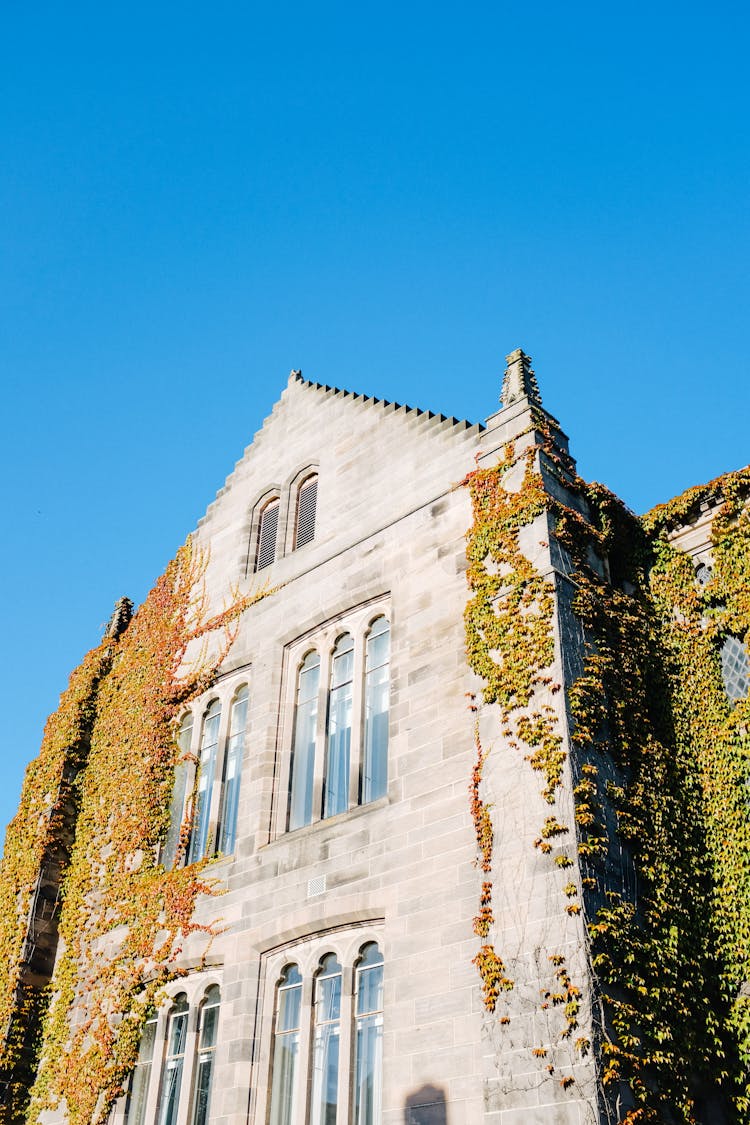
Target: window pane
(269,522)
(177,806)
(307,498)
(377,685)
(326,1043)
(368,1046)
(303,753)
(206,770)
(286,1049)
(338,747)
(173,1063)
(136,1105)
(232,771)
(209,1018)
(735,668)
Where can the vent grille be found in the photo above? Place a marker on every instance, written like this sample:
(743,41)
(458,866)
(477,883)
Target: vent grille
(316,886)
(269,522)
(306,504)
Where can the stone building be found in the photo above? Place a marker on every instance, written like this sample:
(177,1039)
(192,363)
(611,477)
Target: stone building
(408,883)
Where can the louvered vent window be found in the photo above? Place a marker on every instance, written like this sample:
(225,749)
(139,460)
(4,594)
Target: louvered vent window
(307,498)
(269,522)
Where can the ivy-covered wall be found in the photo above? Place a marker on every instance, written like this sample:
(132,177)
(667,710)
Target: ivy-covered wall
(596,653)
(658,773)
(109,749)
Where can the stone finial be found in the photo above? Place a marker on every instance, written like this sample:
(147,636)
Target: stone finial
(519,380)
(120,618)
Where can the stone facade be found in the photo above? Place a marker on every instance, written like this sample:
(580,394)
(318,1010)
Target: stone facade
(400,870)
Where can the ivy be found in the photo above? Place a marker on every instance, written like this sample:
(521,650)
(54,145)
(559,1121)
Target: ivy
(125,918)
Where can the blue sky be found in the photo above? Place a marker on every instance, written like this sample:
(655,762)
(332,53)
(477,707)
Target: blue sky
(195,199)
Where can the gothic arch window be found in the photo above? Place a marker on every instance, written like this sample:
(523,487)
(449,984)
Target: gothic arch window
(232,770)
(135,1109)
(305,736)
(307,501)
(268,526)
(368,1036)
(320,1059)
(208,1021)
(183,1039)
(339,728)
(326,1041)
(374,781)
(286,1042)
(199,839)
(336,733)
(173,840)
(174,1062)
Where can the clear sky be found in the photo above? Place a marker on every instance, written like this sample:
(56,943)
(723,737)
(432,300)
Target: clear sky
(196,198)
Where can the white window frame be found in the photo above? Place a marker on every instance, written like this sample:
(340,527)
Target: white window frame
(225,691)
(307,955)
(323,640)
(194,986)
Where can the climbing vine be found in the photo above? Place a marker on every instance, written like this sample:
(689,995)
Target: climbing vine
(659,766)
(38,836)
(510,645)
(125,918)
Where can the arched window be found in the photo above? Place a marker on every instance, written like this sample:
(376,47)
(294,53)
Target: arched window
(199,841)
(171,850)
(135,1109)
(303,751)
(339,729)
(307,500)
(267,529)
(208,1021)
(368,1041)
(286,1048)
(174,1061)
(375,752)
(232,769)
(325,1061)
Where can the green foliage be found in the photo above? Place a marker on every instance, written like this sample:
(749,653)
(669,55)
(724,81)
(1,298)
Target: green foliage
(125,918)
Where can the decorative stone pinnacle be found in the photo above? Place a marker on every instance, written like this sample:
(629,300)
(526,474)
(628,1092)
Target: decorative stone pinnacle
(519,380)
(120,619)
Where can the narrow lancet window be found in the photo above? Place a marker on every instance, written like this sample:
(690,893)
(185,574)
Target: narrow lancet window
(377,679)
(174,1061)
(307,500)
(267,528)
(199,841)
(171,851)
(286,1048)
(232,770)
(135,1110)
(303,753)
(339,734)
(207,1027)
(368,1042)
(325,1076)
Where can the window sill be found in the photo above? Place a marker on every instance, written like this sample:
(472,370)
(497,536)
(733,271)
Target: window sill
(332,822)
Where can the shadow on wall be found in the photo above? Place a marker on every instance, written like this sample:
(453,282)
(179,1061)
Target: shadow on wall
(426,1107)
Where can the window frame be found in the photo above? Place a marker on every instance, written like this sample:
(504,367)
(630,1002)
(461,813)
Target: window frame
(346,944)
(357,622)
(225,691)
(270,500)
(195,987)
(305,480)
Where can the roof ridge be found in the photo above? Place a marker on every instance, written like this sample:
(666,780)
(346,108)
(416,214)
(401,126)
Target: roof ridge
(372,400)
